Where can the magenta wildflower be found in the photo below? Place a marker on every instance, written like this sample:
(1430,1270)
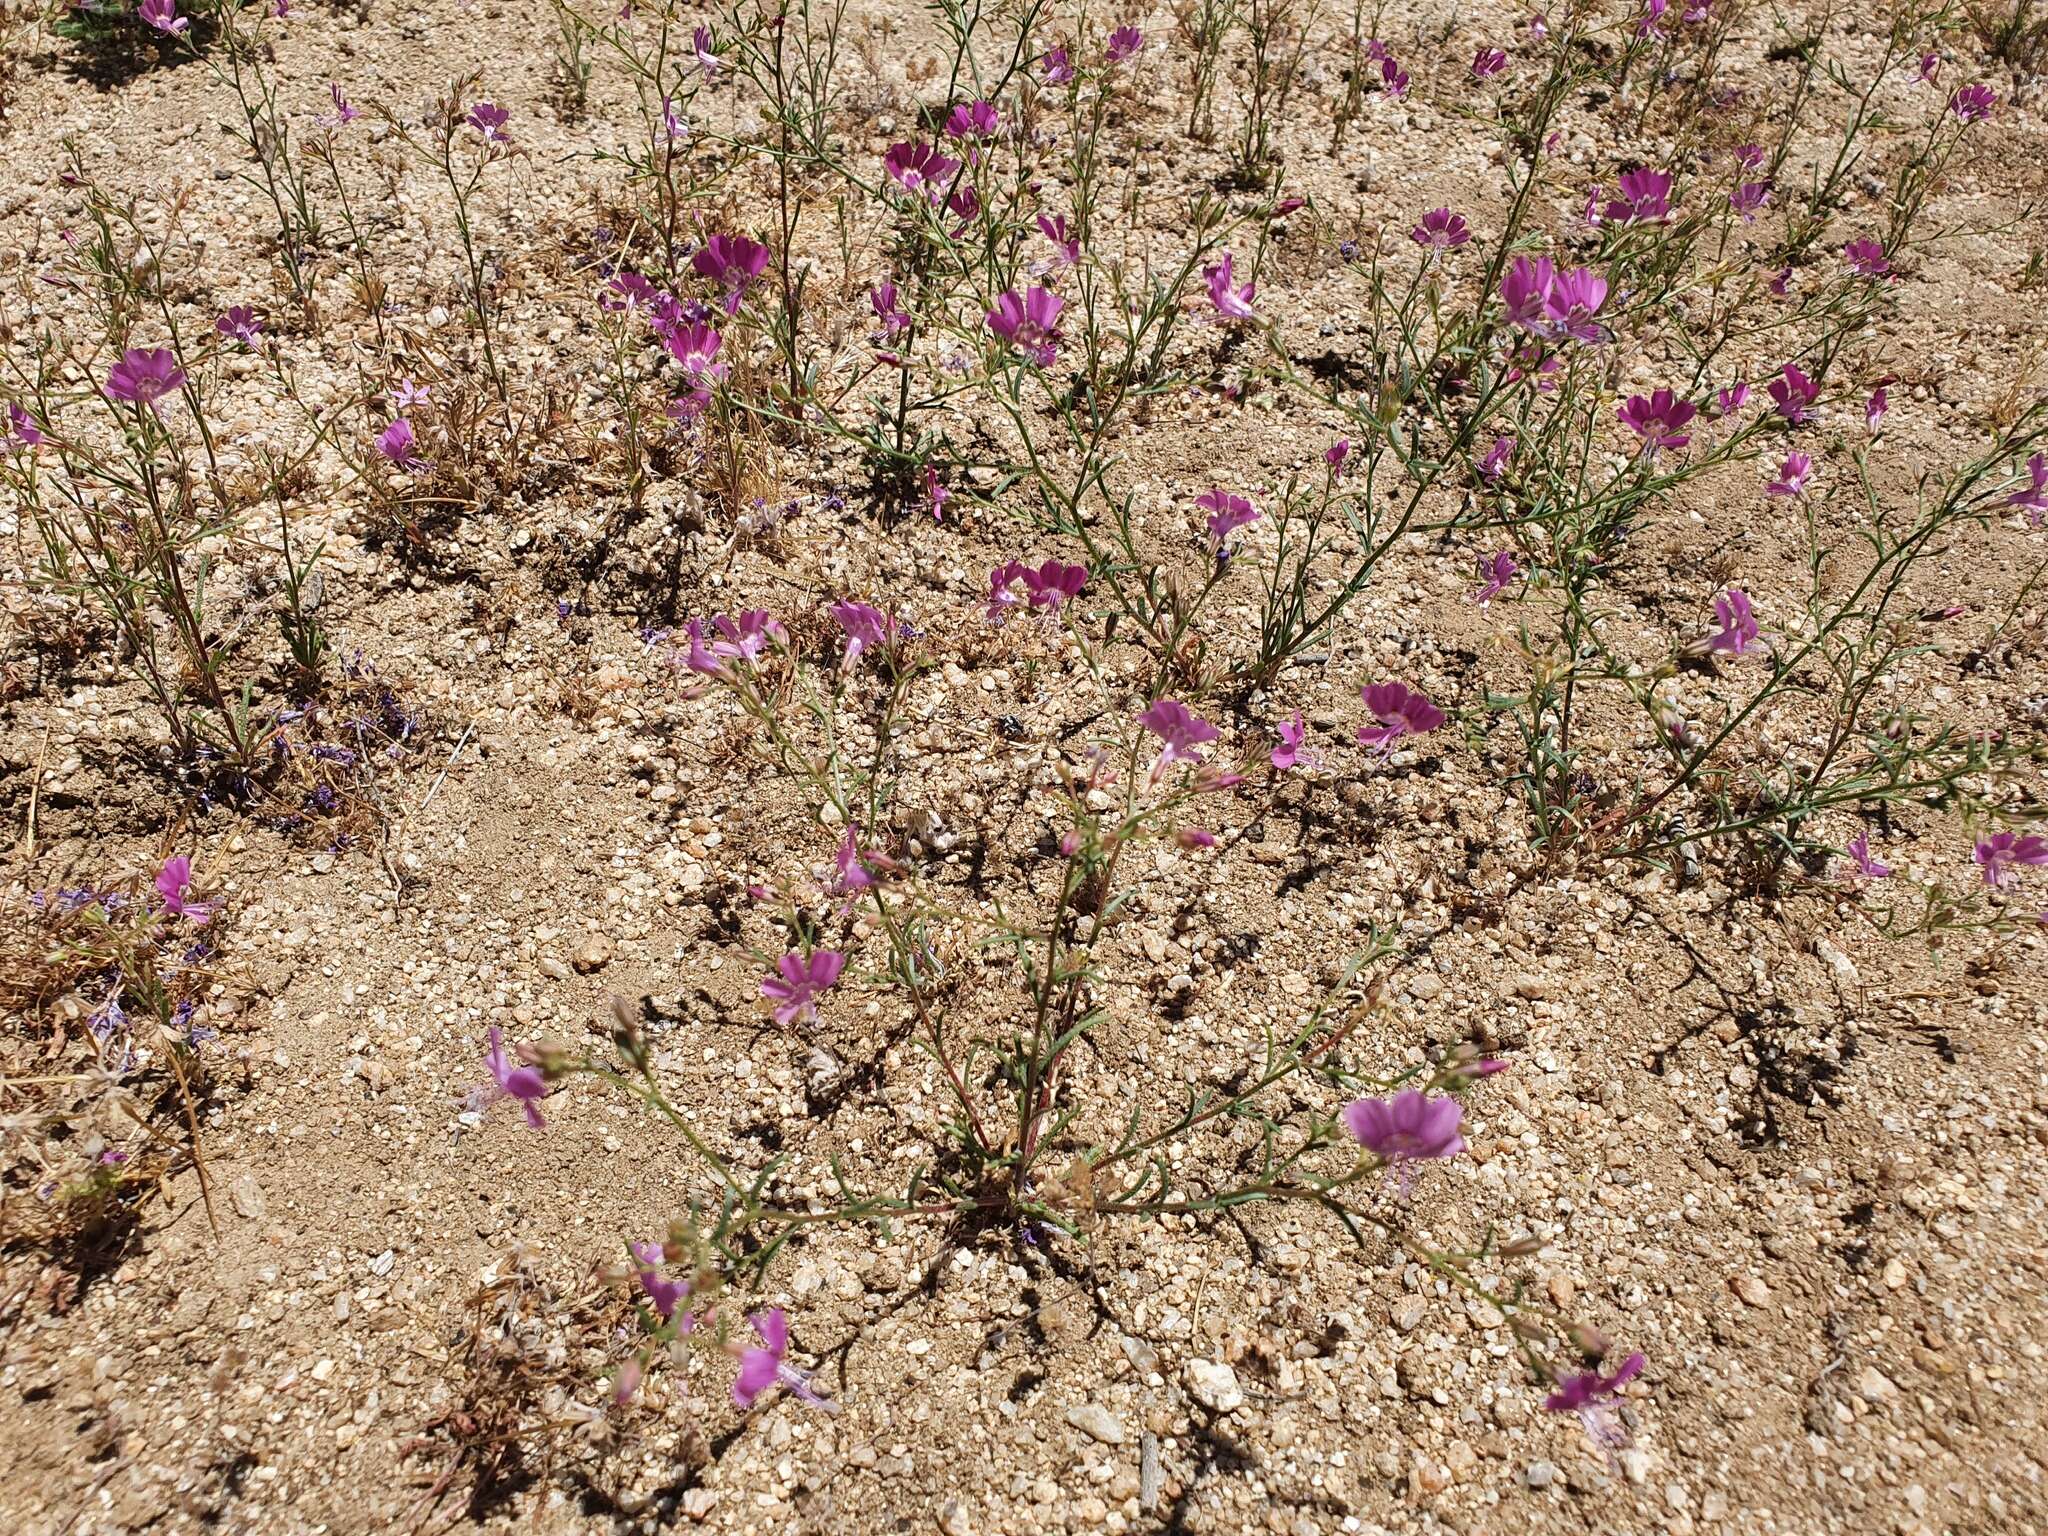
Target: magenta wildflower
(1030,323)
(709,62)
(695,348)
(488,119)
(1795,394)
(1575,299)
(1732,399)
(1406,1129)
(1973,103)
(1488,62)
(662,1292)
(700,659)
(1227,513)
(2032,498)
(1337,454)
(1063,240)
(1193,838)
(1293,751)
(1053,584)
(764,1367)
(867,629)
(1659,421)
(1749,156)
(1124,43)
(1002,589)
(344,112)
(1930,66)
(174,885)
(1781,283)
(1792,475)
(1866,864)
(1874,409)
(1496,458)
(733,262)
(144,375)
(405,394)
(239,323)
(1748,197)
(1866,258)
(973,120)
(794,989)
(163,15)
(1650,25)
(920,168)
(22,432)
(1231,303)
(524,1083)
(1180,729)
(1057,68)
(851,872)
(397,443)
(883,301)
(1645,198)
(1400,712)
(745,638)
(936,494)
(1441,230)
(1524,289)
(2000,854)
(1738,631)
(1393,78)
(1588,1395)
(1495,572)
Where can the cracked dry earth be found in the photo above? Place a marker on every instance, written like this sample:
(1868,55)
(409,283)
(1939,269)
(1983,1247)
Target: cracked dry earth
(1800,1168)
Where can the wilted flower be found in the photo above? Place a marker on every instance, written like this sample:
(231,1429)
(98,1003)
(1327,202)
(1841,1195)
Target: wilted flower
(524,1083)
(1792,475)
(1030,323)
(1588,1394)
(163,15)
(920,168)
(798,980)
(709,62)
(1738,631)
(1400,712)
(1973,103)
(1180,729)
(1231,303)
(1659,421)
(144,375)
(2003,852)
(1227,513)
(1495,572)
(1795,393)
(1441,230)
(662,1292)
(173,885)
(764,1367)
(1064,241)
(343,114)
(1866,258)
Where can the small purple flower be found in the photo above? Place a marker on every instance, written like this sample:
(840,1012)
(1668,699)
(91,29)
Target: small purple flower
(695,348)
(1738,631)
(867,629)
(1497,457)
(1729,401)
(882,300)
(524,1083)
(2032,498)
(1488,62)
(1182,731)
(850,864)
(1124,43)
(398,444)
(764,1367)
(1029,323)
(745,638)
(794,989)
(1645,198)
(1866,863)
(1794,393)
(920,168)
(1792,476)
(343,114)
(1573,303)
(240,324)
(489,119)
(1523,291)
(1973,103)
(1408,1128)
(2000,854)
(405,394)
(1227,514)
(1748,197)
(732,261)
(1232,303)
(662,1292)
(973,120)
(1064,241)
(1866,258)
(1659,421)
(1400,712)
(709,62)
(1057,68)
(173,884)
(163,15)
(1053,584)
(1588,1395)
(1874,409)
(1441,230)
(144,375)
(1495,573)
(1293,751)
(22,432)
